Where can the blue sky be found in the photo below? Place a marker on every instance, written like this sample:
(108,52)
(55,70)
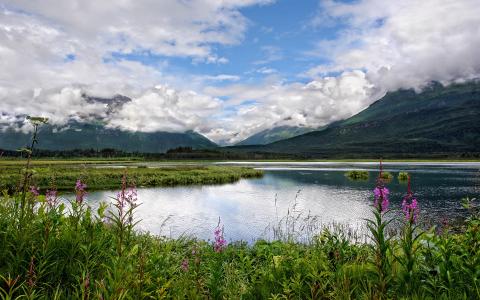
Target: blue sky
(277,41)
(227,69)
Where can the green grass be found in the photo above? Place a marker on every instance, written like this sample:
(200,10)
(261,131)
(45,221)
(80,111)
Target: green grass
(387,176)
(403,176)
(357,175)
(63,175)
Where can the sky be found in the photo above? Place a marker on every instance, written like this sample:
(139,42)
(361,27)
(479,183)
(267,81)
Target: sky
(226,68)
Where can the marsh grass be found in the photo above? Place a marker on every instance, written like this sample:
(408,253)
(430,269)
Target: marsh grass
(357,175)
(109,178)
(402,177)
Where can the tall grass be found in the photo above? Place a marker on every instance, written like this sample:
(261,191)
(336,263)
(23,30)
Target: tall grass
(109,178)
(48,251)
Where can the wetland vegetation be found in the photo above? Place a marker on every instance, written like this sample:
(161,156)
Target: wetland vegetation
(63,174)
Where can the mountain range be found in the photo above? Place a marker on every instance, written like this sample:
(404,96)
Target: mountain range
(275,134)
(96,136)
(438,121)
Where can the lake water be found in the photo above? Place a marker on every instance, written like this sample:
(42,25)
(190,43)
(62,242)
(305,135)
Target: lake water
(249,208)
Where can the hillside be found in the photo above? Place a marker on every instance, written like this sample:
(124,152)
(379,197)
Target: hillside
(97,136)
(439,121)
(273,135)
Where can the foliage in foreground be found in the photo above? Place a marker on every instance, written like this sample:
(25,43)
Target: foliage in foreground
(48,253)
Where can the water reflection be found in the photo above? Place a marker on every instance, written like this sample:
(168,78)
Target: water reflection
(248,207)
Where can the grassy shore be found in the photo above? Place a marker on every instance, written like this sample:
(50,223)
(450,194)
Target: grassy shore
(49,253)
(127,160)
(63,175)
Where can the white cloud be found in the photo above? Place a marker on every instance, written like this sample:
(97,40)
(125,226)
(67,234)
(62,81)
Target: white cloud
(266,70)
(404,44)
(314,104)
(165,109)
(39,39)
(270,53)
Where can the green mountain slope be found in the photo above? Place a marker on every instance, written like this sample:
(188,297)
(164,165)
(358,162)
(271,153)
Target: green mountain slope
(438,121)
(275,134)
(96,136)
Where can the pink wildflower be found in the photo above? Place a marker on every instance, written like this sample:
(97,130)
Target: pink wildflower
(52,198)
(220,241)
(410,205)
(381,193)
(35,191)
(184,265)
(80,191)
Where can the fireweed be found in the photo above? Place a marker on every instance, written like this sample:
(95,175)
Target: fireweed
(51,198)
(123,218)
(381,244)
(409,240)
(410,206)
(220,243)
(34,190)
(80,191)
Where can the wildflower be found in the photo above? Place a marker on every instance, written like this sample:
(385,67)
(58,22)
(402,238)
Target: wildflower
(410,205)
(184,265)
(80,191)
(127,197)
(131,196)
(220,241)
(381,196)
(381,193)
(52,198)
(35,191)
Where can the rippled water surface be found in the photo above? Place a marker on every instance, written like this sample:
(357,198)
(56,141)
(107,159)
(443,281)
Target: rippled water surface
(247,208)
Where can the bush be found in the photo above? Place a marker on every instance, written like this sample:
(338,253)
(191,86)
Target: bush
(357,175)
(403,176)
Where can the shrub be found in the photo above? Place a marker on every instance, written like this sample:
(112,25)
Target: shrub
(403,176)
(357,175)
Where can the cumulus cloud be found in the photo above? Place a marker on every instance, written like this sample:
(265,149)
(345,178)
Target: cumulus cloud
(383,46)
(166,109)
(313,105)
(403,44)
(52,53)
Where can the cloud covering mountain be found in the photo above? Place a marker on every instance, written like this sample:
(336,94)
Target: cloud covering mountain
(186,65)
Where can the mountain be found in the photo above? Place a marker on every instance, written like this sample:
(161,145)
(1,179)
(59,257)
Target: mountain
(274,134)
(439,121)
(96,136)
(112,104)
(86,134)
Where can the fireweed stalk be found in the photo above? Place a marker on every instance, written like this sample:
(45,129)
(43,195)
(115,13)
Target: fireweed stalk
(381,243)
(409,238)
(51,198)
(78,205)
(125,204)
(35,122)
(220,242)
(80,191)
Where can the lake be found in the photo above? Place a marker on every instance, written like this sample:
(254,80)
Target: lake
(250,208)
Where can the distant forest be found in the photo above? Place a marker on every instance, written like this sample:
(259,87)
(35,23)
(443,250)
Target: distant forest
(230,153)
